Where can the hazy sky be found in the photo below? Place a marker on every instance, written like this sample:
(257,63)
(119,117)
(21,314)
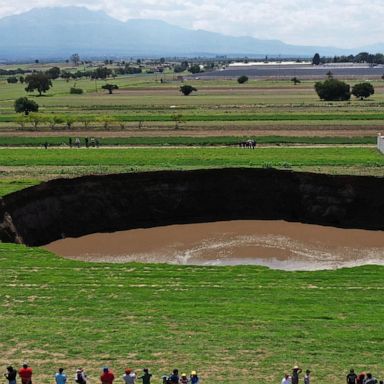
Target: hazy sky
(341,23)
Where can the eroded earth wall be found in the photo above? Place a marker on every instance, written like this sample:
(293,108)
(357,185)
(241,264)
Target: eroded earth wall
(75,207)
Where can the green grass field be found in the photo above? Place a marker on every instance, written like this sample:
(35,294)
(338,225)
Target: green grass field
(22,167)
(232,324)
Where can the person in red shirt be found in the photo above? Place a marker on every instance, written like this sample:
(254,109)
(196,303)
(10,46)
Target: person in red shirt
(25,374)
(107,376)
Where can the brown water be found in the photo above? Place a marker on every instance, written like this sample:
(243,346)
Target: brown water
(276,244)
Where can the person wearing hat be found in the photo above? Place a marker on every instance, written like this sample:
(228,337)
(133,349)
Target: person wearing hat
(184,379)
(194,378)
(129,376)
(25,373)
(107,376)
(146,376)
(295,374)
(307,377)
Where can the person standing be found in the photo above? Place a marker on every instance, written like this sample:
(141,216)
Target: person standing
(351,377)
(61,377)
(295,374)
(107,376)
(80,377)
(174,377)
(129,376)
(370,379)
(146,377)
(10,375)
(286,379)
(25,373)
(307,377)
(194,378)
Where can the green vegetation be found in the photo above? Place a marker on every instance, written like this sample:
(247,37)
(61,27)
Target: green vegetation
(245,324)
(152,158)
(363,90)
(40,164)
(333,89)
(36,141)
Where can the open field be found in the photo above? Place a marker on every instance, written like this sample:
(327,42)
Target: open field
(37,164)
(218,104)
(245,324)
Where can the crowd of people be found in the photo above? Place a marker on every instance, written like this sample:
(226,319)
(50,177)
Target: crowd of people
(107,376)
(352,377)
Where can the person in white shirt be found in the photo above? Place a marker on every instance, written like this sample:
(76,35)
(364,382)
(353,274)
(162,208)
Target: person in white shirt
(286,379)
(307,377)
(129,376)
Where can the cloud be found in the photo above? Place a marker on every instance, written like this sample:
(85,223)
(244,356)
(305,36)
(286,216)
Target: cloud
(345,23)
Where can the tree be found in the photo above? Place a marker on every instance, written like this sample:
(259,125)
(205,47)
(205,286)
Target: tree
(187,89)
(333,90)
(101,73)
(195,68)
(295,80)
(23,104)
(39,81)
(110,87)
(316,59)
(53,73)
(363,90)
(75,58)
(242,79)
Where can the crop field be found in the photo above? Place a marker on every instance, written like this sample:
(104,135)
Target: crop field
(142,102)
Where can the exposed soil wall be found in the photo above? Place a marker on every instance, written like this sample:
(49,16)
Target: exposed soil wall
(75,207)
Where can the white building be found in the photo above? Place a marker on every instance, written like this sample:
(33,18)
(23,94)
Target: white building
(380,143)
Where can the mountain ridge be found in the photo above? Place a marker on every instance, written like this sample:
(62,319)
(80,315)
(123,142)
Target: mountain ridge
(57,32)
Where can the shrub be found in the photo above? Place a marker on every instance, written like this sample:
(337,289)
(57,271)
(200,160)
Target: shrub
(242,79)
(333,90)
(363,90)
(12,80)
(76,91)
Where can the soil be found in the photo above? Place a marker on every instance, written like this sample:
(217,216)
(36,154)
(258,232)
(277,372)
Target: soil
(273,243)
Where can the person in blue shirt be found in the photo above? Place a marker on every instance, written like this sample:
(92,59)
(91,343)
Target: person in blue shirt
(61,377)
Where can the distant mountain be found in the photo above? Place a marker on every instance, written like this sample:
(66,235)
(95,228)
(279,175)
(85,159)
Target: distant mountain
(44,33)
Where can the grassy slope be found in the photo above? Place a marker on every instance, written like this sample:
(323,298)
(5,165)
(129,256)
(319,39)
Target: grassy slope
(233,324)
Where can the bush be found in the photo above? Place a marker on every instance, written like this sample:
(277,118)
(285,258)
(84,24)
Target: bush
(12,80)
(333,90)
(76,91)
(187,89)
(242,79)
(363,90)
